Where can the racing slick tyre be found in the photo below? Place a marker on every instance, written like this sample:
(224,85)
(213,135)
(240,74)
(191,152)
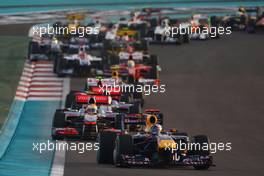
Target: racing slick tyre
(160,118)
(158,37)
(135,109)
(153,22)
(186,38)
(153,74)
(139,96)
(113,60)
(180,39)
(131,79)
(70,99)
(97,65)
(251,26)
(59,66)
(201,140)
(153,62)
(107,45)
(144,45)
(123,146)
(33,48)
(126,97)
(58,122)
(55,58)
(104,154)
(143,30)
(55,64)
(119,119)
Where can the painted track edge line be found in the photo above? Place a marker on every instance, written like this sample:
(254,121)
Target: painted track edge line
(57,168)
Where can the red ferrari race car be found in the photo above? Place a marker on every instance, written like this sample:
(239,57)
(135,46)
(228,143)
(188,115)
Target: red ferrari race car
(133,73)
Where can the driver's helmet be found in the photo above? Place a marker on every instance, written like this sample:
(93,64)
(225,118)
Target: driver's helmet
(55,40)
(115,74)
(130,62)
(242,9)
(156,129)
(114,102)
(72,40)
(130,49)
(163,23)
(82,53)
(91,109)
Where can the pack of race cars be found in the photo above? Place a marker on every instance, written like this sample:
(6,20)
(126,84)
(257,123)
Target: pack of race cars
(119,57)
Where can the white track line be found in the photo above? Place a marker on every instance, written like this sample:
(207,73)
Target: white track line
(20,98)
(46,88)
(21,93)
(46,93)
(46,79)
(28,70)
(59,157)
(46,83)
(44,74)
(43,69)
(44,65)
(22,88)
(26,79)
(26,74)
(44,98)
(23,83)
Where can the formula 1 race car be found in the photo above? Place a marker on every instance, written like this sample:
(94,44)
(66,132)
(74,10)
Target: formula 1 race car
(39,48)
(92,118)
(163,33)
(153,148)
(37,52)
(133,73)
(134,28)
(201,26)
(76,64)
(115,51)
(113,87)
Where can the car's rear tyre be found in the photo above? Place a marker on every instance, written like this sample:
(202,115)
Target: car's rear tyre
(104,154)
(114,60)
(135,109)
(126,97)
(160,118)
(201,140)
(119,121)
(59,66)
(145,45)
(186,38)
(33,47)
(139,96)
(153,60)
(70,99)
(180,40)
(123,146)
(58,122)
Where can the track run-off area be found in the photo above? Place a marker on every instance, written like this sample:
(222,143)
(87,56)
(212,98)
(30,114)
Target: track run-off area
(38,95)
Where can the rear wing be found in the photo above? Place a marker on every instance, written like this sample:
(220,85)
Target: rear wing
(140,119)
(105,81)
(113,91)
(100,99)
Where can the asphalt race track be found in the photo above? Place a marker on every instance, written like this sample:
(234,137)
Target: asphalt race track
(213,87)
